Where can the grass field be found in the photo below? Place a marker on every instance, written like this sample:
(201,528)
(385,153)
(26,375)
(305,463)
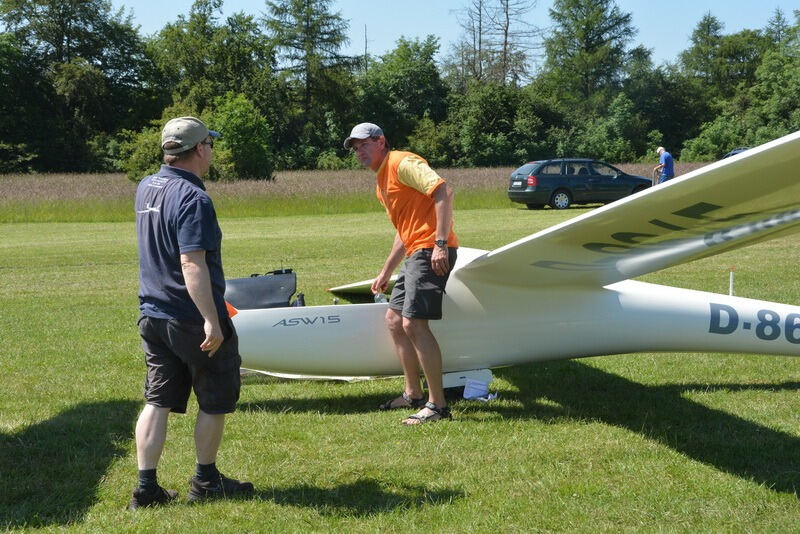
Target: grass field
(638,442)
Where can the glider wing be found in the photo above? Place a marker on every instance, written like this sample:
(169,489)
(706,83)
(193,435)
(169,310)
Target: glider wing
(729,204)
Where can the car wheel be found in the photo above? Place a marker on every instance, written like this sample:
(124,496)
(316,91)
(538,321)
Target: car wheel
(535,206)
(561,200)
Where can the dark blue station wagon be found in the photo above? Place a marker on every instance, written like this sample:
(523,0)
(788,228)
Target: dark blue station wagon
(563,182)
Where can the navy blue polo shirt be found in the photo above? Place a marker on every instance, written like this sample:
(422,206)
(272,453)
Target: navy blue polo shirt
(175,215)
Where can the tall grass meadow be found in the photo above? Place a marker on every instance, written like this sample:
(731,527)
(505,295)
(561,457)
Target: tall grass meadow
(109,197)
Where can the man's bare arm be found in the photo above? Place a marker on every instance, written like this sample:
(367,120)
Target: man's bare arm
(198,283)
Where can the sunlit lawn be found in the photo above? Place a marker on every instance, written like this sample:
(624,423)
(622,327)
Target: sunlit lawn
(654,442)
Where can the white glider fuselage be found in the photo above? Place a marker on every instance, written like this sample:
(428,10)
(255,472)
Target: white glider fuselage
(488,327)
(566,292)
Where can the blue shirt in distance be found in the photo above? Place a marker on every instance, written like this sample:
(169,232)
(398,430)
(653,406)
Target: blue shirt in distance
(668,169)
(175,215)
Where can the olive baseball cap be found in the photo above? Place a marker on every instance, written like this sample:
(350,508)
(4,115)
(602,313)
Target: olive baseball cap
(362,131)
(187,132)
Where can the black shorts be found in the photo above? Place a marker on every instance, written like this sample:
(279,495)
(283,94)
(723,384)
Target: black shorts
(418,291)
(176,365)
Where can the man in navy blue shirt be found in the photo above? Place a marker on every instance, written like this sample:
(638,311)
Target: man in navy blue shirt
(665,165)
(188,338)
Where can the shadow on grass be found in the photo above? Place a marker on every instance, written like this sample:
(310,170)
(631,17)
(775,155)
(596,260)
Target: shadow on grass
(717,438)
(51,471)
(713,437)
(340,404)
(361,498)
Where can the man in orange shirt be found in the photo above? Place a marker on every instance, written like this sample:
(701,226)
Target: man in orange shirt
(420,205)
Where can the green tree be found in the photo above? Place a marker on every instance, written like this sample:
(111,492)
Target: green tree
(21,108)
(616,136)
(702,57)
(431,141)
(95,64)
(141,150)
(777,27)
(482,124)
(83,87)
(740,54)
(183,53)
(403,88)
(722,62)
(668,101)
(765,111)
(61,30)
(587,49)
(775,98)
(539,114)
(201,58)
(83,34)
(241,51)
(246,135)
(308,39)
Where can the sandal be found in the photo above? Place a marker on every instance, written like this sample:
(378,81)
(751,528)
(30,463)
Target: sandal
(437,415)
(410,403)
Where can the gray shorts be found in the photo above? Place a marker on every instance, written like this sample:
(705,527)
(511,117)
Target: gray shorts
(176,365)
(418,291)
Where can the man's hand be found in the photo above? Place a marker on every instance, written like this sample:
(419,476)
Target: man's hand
(380,283)
(213,340)
(440,263)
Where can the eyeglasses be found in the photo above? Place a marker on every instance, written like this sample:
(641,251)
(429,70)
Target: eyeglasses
(210,143)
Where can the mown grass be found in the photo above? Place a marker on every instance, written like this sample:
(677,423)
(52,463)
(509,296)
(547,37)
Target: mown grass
(653,442)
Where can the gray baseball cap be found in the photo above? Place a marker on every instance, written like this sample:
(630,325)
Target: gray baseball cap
(186,131)
(362,131)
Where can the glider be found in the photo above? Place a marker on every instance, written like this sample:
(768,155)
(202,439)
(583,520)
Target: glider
(565,292)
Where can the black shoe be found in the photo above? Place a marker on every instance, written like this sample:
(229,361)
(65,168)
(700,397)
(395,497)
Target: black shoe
(144,498)
(221,487)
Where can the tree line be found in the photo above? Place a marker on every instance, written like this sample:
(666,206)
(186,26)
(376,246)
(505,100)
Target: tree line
(85,92)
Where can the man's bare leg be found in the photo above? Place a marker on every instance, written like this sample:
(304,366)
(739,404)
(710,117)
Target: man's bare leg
(151,433)
(406,353)
(429,356)
(207,436)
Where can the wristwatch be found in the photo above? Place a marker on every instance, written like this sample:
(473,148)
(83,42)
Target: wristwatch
(441,243)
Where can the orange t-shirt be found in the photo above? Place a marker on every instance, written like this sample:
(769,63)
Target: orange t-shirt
(405,187)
